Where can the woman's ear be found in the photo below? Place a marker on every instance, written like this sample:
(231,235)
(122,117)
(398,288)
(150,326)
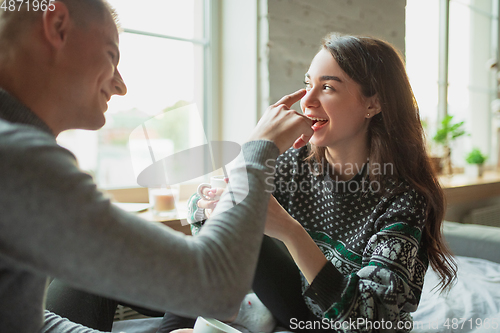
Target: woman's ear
(372,106)
(56,23)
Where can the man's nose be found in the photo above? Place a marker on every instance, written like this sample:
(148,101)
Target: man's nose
(119,87)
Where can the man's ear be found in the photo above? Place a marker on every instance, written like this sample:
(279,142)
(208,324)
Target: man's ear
(56,23)
(373,106)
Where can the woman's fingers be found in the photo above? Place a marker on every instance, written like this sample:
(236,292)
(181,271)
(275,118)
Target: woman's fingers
(210,193)
(207,193)
(206,204)
(218,191)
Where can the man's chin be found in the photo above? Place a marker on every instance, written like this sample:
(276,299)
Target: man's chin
(96,124)
(95,128)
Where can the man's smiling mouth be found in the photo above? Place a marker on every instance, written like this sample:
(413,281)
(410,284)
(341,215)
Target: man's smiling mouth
(108,97)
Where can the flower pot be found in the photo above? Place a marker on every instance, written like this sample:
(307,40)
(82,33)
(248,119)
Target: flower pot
(474,170)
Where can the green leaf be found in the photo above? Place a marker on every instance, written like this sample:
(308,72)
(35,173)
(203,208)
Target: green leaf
(449,131)
(475,157)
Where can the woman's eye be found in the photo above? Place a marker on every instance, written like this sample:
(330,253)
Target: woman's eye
(327,87)
(307,84)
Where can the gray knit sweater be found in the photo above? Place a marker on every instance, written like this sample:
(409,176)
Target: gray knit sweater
(54,222)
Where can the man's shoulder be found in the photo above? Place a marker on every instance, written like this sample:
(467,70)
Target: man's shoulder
(20,141)
(18,135)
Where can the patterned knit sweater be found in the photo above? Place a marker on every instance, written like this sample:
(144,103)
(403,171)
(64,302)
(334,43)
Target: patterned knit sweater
(371,237)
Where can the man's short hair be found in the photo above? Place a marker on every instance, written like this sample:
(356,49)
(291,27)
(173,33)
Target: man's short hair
(13,23)
(83,11)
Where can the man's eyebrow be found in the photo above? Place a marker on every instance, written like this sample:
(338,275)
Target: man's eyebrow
(326,78)
(117,50)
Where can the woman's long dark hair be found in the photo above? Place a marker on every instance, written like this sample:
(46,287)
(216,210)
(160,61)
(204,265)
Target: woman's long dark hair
(395,135)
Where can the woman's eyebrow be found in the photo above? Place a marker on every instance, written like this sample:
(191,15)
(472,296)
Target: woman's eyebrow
(326,78)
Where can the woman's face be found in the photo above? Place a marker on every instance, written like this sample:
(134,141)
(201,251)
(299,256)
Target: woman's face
(335,100)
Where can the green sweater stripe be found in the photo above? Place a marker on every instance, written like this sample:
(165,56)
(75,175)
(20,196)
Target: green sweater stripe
(406,229)
(346,300)
(322,237)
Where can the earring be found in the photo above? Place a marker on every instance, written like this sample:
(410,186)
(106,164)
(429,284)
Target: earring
(367,115)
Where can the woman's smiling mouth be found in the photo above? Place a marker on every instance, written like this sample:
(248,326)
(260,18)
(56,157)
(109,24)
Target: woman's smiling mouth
(318,122)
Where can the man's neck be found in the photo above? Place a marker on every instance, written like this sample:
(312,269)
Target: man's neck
(12,110)
(27,85)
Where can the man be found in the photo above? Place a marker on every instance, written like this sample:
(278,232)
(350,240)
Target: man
(58,70)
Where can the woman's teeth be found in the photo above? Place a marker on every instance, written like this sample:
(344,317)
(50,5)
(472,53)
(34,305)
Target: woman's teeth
(318,120)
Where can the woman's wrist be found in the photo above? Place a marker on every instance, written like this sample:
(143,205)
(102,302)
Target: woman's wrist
(294,234)
(306,254)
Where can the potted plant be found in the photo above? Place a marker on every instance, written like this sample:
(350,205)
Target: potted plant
(434,159)
(475,160)
(446,133)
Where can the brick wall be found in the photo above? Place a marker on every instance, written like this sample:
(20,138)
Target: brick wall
(296,28)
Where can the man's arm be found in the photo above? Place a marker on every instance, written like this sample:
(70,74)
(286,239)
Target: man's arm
(56,222)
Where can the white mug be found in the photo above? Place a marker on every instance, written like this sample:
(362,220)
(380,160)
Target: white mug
(215,182)
(208,325)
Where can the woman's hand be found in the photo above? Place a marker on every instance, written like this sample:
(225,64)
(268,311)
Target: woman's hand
(210,205)
(304,251)
(279,224)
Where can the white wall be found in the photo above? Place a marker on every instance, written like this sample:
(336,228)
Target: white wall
(238,68)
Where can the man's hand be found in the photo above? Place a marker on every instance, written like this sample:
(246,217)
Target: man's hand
(284,126)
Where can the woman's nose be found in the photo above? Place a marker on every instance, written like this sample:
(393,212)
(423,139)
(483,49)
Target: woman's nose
(310,100)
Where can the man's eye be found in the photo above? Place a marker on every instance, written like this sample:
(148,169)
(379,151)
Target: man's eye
(112,55)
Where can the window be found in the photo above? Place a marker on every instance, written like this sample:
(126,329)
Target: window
(471,81)
(165,47)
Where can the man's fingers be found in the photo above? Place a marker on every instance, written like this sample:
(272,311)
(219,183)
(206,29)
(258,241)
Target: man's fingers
(304,118)
(301,142)
(291,99)
(306,136)
(282,125)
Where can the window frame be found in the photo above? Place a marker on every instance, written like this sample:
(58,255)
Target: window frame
(484,138)
(211,83)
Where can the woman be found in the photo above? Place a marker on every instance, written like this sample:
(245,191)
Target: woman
(360,209)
